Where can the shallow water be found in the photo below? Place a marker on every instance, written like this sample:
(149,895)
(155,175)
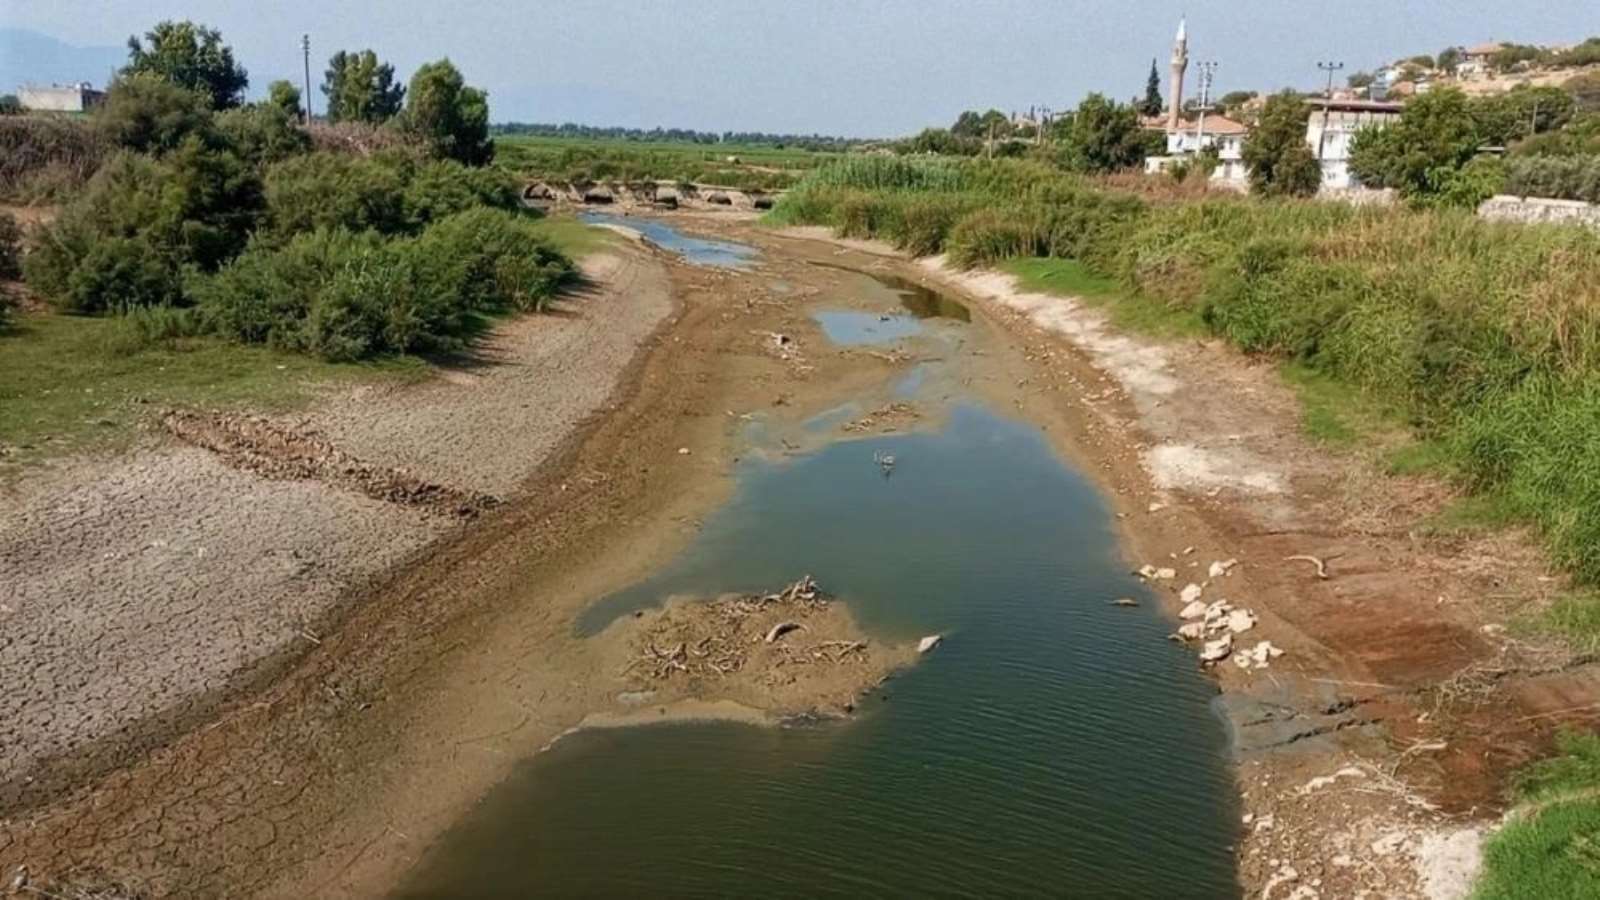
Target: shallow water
(1054,745)
(698,251)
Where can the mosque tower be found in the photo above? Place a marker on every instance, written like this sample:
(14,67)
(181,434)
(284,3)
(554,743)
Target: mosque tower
(1180,64)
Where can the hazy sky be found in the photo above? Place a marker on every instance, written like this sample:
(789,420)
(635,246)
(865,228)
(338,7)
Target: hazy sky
(859,68)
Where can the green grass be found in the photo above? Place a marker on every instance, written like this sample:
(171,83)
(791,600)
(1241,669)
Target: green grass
(66,386)
(758,167)
(1071,278)
(574,238)
(1550,849)
(1338,413)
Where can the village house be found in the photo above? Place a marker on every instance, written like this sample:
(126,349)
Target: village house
(1332,128)
(68,98)
(1475,61)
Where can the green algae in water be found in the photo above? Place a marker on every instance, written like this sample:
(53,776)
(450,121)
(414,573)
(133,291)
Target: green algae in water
(1055,745)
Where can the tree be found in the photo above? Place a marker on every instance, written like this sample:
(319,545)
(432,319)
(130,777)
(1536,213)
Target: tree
(1103,136)
(452,118)
(1233,101)
(1152,104)
(1424,61)
(1360,80)
(1437,133)
(190,56)
(1521,112)
(361,88)
(10,105)
(285,96)
(148,113)
(1448,60)
(1281,163)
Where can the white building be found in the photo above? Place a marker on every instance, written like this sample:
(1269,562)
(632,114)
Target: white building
(1186,140)
(75,98)
(1475,61)
(1332,128)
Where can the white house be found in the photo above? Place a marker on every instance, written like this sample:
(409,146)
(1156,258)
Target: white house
(80,97)
(1332,128)
(1475,61)
(1223,134)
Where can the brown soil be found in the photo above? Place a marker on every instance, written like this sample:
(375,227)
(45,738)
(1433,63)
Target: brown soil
(1392,718)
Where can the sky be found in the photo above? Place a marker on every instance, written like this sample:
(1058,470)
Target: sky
(866,68)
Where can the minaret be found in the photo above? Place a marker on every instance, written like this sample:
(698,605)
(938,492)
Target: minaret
(1180,64)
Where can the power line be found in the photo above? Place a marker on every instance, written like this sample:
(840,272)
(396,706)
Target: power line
(1327,103)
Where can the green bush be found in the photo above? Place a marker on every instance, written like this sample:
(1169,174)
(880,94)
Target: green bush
(348,295)
(142,328)
(196,208)
(262,133)
(118,274)
(442,188)
(1560,177)
(150,114)
(329,190)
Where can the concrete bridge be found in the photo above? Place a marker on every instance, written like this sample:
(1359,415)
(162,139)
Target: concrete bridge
(657,194)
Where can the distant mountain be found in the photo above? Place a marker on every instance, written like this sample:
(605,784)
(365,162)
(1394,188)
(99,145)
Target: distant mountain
(31,57)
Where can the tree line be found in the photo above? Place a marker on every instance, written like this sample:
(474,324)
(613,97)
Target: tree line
(816,142)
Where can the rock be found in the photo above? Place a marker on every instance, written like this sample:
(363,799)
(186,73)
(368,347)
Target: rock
(1219,569)
(1193,631)
(1241,620)
(1191,593)
(683,451)
(1217,650)
(1156,507)
(929,642)
(1193,611)
(1124,601)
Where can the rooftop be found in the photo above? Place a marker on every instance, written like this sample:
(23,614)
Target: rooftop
(1336,105)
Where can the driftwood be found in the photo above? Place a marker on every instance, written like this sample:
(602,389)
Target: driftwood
(781,629)
(1322,568)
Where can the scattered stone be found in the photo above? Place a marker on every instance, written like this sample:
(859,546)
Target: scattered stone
(1217,650)
(1258,656)
(1151,573)
(1156,507)
(1219,569)
(1191,593)
(1194,610)
(683,451)
(1241,620)
(1193,631)
(929,642)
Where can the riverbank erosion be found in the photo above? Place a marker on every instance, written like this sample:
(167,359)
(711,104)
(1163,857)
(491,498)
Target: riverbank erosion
(1378,697)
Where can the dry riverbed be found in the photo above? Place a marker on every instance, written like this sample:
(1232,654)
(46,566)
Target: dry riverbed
(380,665)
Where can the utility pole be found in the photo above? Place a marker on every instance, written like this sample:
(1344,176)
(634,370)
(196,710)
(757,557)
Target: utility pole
(1330,67)
(305,52)
(1208,73)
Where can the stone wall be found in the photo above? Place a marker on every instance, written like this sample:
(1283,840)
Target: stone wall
(1530,210)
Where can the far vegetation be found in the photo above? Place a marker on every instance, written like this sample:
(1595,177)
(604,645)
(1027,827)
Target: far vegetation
(210,250)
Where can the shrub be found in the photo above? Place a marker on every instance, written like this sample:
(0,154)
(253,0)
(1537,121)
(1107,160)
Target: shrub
(149,114)
(196,207)
(442,188)
(10,248)
(120,273)
(347,295)
(151,326)
(326,190)
(489,260)
(42,155)
(262,133)
(1560,177)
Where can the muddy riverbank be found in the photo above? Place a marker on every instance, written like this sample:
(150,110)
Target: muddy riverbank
(452,663)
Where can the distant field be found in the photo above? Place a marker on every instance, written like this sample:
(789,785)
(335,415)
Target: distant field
(753,166)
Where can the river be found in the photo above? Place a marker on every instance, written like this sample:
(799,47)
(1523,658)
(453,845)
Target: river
(1054,745)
